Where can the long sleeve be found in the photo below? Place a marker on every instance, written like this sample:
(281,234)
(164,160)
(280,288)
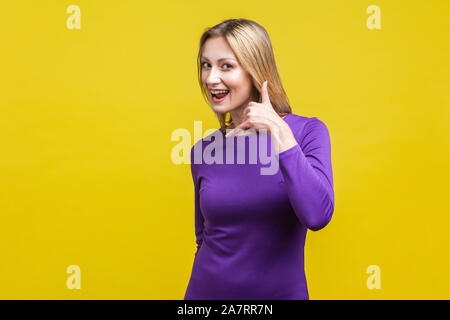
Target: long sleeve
(306,169)
(250,242)
(198,214)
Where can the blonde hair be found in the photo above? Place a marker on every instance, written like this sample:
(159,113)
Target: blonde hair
(253,49)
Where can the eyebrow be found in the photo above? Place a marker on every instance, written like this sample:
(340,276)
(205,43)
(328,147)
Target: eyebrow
(221,59)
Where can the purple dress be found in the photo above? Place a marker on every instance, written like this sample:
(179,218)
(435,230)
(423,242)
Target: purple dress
(250,227)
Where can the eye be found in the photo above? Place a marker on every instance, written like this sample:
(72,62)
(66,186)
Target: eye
(205,66)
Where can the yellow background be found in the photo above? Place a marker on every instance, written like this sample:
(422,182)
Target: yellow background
(86,118)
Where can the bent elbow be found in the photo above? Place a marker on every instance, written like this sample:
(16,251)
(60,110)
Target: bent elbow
(317,222)
(317,225)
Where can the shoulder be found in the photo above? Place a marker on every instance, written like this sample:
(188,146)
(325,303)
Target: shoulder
(203,142)
(304,127)
(207,139)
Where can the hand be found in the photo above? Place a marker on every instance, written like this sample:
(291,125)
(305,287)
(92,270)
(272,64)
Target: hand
(263,116)
(259,115)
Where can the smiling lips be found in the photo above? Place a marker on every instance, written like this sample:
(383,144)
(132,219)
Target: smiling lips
(219,95)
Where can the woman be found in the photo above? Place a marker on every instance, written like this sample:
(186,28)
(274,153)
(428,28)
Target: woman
(250,228)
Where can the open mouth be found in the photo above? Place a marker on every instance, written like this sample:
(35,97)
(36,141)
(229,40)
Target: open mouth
(219,96)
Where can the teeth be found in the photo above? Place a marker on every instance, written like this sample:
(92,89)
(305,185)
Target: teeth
(218,91)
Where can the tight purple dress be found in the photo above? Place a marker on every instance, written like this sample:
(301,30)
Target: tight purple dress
(251,227)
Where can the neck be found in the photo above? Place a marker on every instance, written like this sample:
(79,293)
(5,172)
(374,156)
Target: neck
(237,114)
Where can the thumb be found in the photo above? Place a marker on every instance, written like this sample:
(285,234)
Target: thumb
(264,93)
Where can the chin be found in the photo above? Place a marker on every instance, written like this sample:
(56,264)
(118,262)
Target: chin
(221,109)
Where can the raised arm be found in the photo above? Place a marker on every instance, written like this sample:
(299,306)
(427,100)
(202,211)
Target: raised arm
(306,169)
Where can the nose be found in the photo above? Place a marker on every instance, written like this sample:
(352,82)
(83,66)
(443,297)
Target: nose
(213,77)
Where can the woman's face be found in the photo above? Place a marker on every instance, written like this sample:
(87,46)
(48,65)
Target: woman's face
(222,71)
